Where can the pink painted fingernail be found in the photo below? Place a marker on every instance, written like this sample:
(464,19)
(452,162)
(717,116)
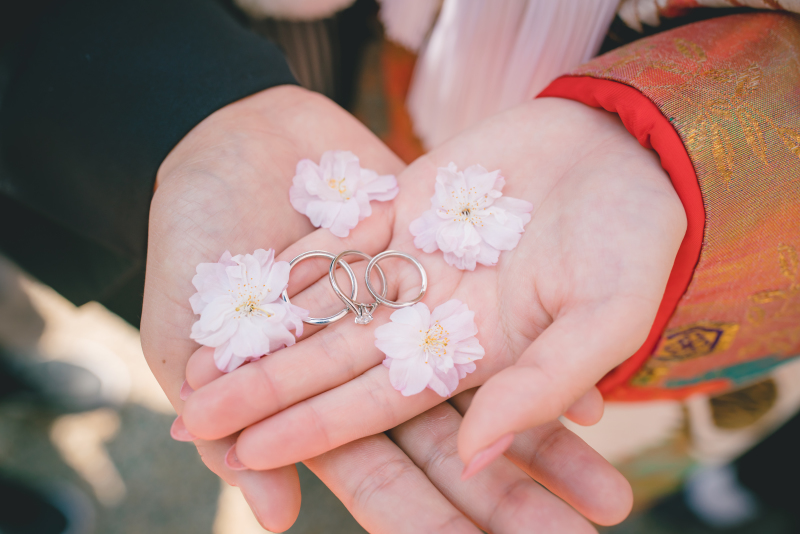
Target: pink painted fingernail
(186,390)
(487,456)
(179,432)
(232,461)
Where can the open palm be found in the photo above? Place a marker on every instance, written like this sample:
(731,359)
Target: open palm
(574,299)
(224,187)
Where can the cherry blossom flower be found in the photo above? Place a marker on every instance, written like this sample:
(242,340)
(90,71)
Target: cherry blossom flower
(336,193)
(241,313)
(433,350)
(470,220)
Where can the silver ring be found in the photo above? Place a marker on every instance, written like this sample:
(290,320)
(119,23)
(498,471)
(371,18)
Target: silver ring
(380,298)
(354,293)
(363,311)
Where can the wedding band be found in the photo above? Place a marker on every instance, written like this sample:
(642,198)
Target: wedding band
(353,293)
(380,298)
(363,311)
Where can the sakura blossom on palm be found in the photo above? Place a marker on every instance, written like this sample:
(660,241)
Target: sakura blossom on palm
(241,313)
(429,349)
(470,220)
(336,194)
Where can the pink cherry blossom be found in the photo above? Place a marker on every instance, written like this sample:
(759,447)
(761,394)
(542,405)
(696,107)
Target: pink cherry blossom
(336,193)
(241,313)
(433,350)
(470,220)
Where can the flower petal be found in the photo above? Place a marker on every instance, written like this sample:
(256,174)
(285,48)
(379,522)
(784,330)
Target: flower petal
(467,350)
(322,213)
(515,206)
(424,230)
(378,187)
(480,181)
(499,236)
(275,281)
(444,382)
(465,263)
(464,369)
(250,339)
(457,236)
(364,209)
(488,255)
(418,316)
(346,219)
(225,360)
(216,337)
(399,341)
(305,184)
(409,376)
(197,303)
(216,313)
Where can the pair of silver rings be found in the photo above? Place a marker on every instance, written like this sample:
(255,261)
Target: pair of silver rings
(363,311)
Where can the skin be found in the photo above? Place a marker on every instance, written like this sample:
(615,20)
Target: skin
(216,191)
(409,481)
(578,296)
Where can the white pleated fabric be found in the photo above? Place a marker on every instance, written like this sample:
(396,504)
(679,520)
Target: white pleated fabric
(407,22)
(484,56)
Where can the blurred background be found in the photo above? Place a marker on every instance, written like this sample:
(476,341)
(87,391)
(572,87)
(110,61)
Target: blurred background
(84,427)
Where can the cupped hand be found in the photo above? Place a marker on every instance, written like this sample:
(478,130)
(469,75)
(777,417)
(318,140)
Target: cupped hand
(575,298)
(225,187)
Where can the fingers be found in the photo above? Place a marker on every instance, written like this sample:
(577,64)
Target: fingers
(587,410)
(273,496)
(501,499)
(361,407)
(200,369)
(555,371)
(564,464)
(385,491)
(257,390)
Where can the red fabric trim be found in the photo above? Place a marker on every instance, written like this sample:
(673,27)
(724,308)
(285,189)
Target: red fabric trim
(654,131)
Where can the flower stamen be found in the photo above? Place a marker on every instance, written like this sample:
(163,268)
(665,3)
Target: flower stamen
(435,341)
(339,186)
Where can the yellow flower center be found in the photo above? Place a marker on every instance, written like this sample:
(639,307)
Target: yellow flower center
(465,212)
(339,186)
(248,298)
(435,341)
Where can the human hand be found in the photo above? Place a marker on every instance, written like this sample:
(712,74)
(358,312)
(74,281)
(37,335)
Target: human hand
(574,299)
(226,186)
(410,481)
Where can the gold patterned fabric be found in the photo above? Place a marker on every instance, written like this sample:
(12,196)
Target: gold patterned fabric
(637,12)
(730,87)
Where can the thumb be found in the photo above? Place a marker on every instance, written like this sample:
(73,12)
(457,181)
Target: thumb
(587,410)
(556,370)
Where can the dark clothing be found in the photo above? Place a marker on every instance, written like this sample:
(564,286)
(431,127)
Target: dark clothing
(97,93)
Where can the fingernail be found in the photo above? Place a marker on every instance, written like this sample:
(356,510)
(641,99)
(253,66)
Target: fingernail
(232,461)
(186,390)
(179,432)
(487,456)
